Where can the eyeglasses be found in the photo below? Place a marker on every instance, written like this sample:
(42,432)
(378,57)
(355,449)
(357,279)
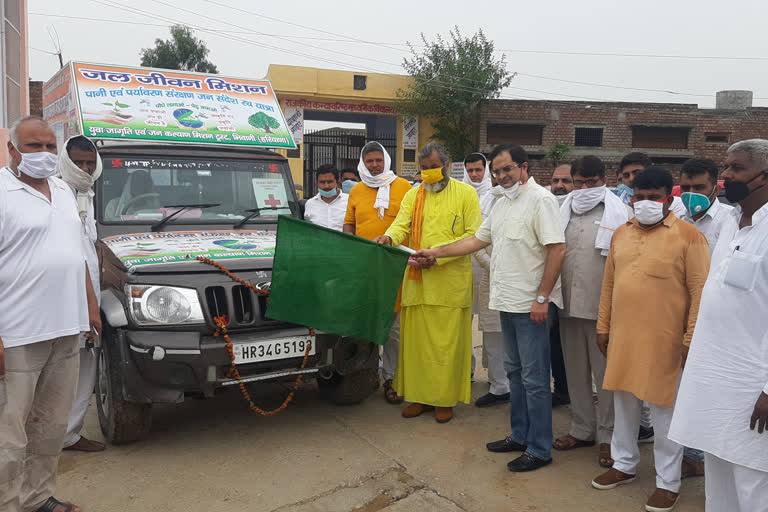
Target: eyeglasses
(504,170)
(589,183)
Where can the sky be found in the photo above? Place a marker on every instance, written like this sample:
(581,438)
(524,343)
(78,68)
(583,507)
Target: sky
(548,44)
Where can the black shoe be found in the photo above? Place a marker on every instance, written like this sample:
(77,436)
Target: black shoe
(645,435)
(560,399)
(490,399)
(505,445)
(527,462)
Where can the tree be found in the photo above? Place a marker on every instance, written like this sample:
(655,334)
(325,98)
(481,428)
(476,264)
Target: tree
(450,80)
(558,152)
(183,51)
(263,121)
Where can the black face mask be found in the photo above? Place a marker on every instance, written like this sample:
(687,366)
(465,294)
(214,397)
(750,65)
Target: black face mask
(737,191)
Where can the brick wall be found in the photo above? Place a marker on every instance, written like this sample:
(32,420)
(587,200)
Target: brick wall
(560,118)
(35,98)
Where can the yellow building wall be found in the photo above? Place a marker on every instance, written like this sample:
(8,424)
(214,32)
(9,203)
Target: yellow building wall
(297,82)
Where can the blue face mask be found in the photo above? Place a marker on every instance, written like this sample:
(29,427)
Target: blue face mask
(347,185)
(329,193)
(622,189)
(695,203)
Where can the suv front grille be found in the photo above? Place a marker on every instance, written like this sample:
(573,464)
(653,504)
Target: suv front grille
(243,307)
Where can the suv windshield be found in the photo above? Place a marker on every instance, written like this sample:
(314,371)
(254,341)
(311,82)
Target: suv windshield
(137,190)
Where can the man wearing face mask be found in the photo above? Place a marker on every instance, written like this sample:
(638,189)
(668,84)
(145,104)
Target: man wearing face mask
(47,301)
(372,207)
(722,406)
(477,174)
(329,207)
(79,166)
(590,215)
(528,249)
(349,178)
(631,165)
(698,184)
(656,268)
(434,368)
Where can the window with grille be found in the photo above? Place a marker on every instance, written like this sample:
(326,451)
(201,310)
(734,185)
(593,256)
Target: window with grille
(659,137)
(523,134)
(409,155)
(588,137)
(360,82)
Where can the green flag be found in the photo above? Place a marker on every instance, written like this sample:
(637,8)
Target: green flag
(334,282)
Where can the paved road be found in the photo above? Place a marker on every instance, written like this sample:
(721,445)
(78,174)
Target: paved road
(215,455)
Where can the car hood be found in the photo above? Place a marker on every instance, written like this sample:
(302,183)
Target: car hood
(178,251)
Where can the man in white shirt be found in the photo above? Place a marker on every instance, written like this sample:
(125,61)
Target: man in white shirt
(528,251)
(47,301)
(329,206)
(722,404)
(79,166)
(698,185)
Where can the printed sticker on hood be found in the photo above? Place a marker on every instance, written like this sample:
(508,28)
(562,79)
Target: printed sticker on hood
(182,246)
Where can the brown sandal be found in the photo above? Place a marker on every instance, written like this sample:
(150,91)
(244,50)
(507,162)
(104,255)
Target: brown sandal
(605,459)
(390,395)
(569,442)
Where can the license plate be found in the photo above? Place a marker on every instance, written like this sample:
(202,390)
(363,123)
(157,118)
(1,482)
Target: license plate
(269,350)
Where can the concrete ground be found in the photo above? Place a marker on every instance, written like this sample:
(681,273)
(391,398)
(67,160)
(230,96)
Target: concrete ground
(215,455)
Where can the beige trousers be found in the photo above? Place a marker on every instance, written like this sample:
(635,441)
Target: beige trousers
(41,379)
(583,364)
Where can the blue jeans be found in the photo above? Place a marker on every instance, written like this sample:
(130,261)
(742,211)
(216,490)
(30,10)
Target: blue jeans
(527,363)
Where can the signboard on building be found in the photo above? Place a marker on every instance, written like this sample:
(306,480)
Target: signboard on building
(410,132)
(362,108)
(295,119)
(59,105)
(126,103)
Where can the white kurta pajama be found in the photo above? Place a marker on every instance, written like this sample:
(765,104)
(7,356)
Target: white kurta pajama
(727,370)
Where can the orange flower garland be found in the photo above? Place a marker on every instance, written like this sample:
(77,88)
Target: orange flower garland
(221,330)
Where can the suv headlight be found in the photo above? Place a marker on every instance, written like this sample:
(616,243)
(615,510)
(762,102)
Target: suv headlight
(164,305)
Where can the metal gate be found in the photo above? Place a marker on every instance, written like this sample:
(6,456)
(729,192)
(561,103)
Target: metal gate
(339,147)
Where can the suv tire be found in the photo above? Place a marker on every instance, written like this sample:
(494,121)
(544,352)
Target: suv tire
(352,388)
(121,421)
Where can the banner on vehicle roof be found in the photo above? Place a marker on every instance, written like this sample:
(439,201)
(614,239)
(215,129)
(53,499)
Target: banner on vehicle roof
(184,246)
(116,102)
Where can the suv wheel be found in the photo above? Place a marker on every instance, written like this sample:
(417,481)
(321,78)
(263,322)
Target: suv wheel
(360,378)
(121,421)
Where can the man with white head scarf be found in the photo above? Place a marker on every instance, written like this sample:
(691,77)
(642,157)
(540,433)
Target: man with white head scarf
(477,174)
(79,166)
(371,208)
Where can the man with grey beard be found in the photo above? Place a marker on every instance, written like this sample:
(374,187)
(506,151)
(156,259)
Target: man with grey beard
(434,365)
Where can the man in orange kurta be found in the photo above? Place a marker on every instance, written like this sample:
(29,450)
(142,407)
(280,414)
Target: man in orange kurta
(371,209)
(654,275)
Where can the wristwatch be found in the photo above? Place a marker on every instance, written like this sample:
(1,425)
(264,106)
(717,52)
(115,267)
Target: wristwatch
(542,299)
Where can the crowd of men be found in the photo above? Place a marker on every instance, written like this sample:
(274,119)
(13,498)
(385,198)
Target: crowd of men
(659,302)
(653,292)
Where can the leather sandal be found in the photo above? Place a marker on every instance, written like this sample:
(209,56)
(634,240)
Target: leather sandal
(568,442)
(604,459)
(390,395)
(52,503)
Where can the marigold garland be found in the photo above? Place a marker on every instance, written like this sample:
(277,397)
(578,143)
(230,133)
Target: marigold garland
(221,330)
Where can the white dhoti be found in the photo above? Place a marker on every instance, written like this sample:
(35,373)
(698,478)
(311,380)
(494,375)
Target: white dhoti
(734,488)
(86,381)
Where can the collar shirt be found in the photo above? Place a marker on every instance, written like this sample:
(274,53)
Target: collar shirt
(727,367)
(42,265)
(711,223)
(329,215)
(519,230)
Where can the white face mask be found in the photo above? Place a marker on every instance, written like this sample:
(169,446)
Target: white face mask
(586,199)
(648,212)
(513,191)
(40,165)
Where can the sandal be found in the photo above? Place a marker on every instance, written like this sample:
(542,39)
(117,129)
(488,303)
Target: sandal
(390,395)
(51,504)
(569,443)
(605,459)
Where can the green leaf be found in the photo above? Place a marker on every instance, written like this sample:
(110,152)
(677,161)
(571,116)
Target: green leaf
(107,104)
(122,105)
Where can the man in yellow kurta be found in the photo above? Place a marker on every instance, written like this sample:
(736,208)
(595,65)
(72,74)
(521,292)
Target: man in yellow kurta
(434,365)
(654,275)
